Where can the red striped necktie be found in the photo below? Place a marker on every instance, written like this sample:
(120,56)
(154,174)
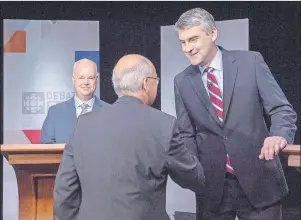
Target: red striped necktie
(216,98)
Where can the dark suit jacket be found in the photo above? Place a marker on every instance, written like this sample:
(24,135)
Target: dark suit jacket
(115,166)
(60,121)
(250,91)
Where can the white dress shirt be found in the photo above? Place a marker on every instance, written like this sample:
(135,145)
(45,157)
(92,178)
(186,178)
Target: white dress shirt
(217,65)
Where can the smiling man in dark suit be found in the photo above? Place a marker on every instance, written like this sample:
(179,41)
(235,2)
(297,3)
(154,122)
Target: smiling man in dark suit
(221,100)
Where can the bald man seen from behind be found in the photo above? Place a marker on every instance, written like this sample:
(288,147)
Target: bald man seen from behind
(119,171)
(61,118)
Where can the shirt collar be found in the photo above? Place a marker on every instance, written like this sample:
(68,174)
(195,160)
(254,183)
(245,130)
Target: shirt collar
(217,62)
(78,102)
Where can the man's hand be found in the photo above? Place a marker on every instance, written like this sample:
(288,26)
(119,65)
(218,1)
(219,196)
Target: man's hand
(271,147)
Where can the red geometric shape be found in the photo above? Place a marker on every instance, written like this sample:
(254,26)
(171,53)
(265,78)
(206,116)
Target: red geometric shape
(33,135)
(17,43)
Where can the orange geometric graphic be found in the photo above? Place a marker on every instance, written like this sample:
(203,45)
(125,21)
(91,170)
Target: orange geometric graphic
(17,43)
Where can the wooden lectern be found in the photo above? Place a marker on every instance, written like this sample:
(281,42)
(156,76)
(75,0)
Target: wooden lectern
(36,166)
(292,152)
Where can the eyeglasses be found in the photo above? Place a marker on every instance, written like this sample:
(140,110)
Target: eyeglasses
(156,78)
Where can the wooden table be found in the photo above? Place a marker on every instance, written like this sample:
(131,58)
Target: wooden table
(36,165)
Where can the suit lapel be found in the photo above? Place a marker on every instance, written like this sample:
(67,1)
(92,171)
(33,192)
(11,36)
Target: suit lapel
(71,112)
(229,77)
(199,87)
(96,104)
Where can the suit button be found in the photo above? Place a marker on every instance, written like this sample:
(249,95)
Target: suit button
(225,138)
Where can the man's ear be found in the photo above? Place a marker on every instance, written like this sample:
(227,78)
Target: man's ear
(144,84)
(73,79)
(214,35)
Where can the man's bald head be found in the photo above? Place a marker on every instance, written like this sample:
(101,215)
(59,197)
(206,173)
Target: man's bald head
(130,76)
(129,61)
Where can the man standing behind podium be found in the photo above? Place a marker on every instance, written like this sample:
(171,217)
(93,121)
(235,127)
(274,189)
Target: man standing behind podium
(61,118)
(115,166)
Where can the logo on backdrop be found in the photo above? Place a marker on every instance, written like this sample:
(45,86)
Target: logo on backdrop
(33,103)
(36,102)
(54,98)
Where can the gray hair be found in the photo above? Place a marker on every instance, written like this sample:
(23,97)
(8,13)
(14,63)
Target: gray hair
(84,61)
(196,17)
(130,79)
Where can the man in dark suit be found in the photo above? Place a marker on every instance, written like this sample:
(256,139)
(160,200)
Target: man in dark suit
(61,118)
(116,164)
(221,101)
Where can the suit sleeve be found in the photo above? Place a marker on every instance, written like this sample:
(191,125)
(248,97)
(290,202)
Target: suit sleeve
(283,117)
(67,190)
(48,129)
(183,167)
(185,126)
